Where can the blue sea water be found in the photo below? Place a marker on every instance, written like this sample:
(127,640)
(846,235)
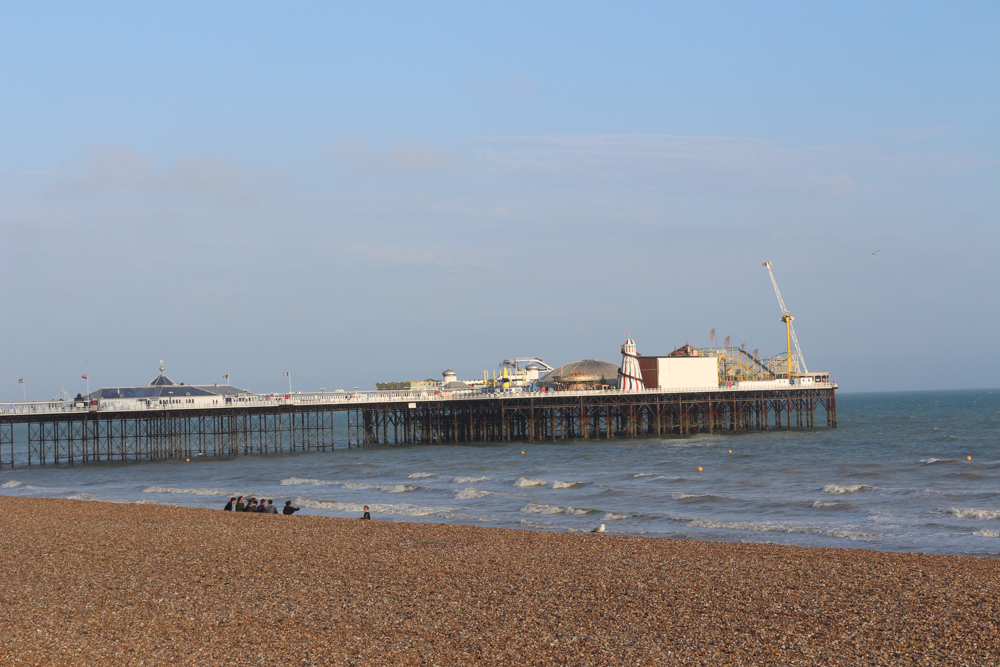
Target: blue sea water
(894,476)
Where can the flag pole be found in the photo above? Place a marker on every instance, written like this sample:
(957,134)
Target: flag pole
(24,390)
(289,382)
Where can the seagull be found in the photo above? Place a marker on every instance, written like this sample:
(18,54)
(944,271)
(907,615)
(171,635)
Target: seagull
(599,529)
(874,253)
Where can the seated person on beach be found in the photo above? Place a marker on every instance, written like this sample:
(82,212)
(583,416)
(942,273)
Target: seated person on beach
(240,506)
(229,505)
(289,509)
(271,509)
(251,506)
(367,515)
(262,507)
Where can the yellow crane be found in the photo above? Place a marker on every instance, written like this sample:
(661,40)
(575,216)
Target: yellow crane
(786,317)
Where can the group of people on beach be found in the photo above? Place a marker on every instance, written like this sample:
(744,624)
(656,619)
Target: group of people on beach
(264,506)
(267,507)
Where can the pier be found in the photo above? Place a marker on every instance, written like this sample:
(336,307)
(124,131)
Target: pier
(44,433)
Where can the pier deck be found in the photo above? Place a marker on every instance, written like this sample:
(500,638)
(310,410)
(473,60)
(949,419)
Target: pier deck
(43,433)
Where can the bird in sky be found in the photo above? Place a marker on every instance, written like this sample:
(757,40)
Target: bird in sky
(873,253)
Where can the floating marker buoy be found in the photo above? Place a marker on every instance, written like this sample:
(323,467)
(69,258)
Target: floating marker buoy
(522,451)
(730,451)
(188,460)
(699,468)
(968,458)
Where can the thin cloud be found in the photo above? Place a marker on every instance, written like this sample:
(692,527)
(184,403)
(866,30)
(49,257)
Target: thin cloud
(120,170)
(408,157)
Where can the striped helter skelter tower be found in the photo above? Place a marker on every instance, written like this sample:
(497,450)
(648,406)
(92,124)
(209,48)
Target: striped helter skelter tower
(629,375)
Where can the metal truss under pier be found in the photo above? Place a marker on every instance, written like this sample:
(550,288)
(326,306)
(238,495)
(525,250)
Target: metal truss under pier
(147,435)
(531,417)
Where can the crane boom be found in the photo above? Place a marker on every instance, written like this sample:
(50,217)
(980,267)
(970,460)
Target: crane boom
(786,317)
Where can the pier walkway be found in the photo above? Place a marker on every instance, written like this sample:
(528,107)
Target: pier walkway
(44,432)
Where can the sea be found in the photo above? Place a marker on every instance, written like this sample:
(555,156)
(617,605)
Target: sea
(908,472)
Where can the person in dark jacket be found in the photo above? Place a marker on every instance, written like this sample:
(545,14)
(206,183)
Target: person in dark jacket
(262,507)
(229,505)
(240,506)
(289,509)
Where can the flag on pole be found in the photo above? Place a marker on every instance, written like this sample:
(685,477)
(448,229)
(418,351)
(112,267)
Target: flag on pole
(226,376)
(285,373)
(20,381)
(711,335)
(84,377)
(727,341)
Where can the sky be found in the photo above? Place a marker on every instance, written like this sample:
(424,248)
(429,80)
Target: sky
(365,192)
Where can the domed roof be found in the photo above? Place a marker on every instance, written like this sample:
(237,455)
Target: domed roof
(603,369)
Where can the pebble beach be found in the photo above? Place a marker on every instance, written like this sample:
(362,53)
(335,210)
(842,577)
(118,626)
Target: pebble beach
(92,583)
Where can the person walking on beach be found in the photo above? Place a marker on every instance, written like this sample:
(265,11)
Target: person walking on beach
(229,505)
(239,505)
(271,509)
(289,510)
(367,514)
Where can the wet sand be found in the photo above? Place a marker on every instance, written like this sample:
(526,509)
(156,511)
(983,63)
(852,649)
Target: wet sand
(93,583)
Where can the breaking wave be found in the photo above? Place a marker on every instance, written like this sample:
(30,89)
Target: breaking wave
(525,481)
(470,493)
(567,485)
(470,480)
(820,503)
(12,484)
(932,461)
(295,481)
(974,513)
(397,510)
(615,516)
(987,533)
(539,508)
(195,492)
(388,488)
(841,490)
(421,475)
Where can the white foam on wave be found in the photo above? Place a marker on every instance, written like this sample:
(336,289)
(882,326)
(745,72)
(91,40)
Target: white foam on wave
(463,479)
(12,484)
(376,508)
(643,474)
(526,482)
(836,489)
(296,481)
(932,460)
(470,493)
(820,503)
(567,485)
(195,491)
(539,508)
(421,475)
(388,488)
(737,525)
(614,516)
(81,496)
(689,496)
(973,513)
(987,533)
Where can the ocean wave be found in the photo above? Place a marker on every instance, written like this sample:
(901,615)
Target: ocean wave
(421,475)
(738,525)
(462,479)
(295,481)
(973,513)
(695,496)
(567,485)
(539,508)
(638,475)
(987,533)
(81,496)
(525,481)
(932,461)
(820,503)
(397,510)
(195,491)
(12,484)
(470,493)
(388,488)
(841,490)
(615,516)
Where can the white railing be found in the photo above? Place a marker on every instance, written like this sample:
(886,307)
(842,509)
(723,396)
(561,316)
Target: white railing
(361,397)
